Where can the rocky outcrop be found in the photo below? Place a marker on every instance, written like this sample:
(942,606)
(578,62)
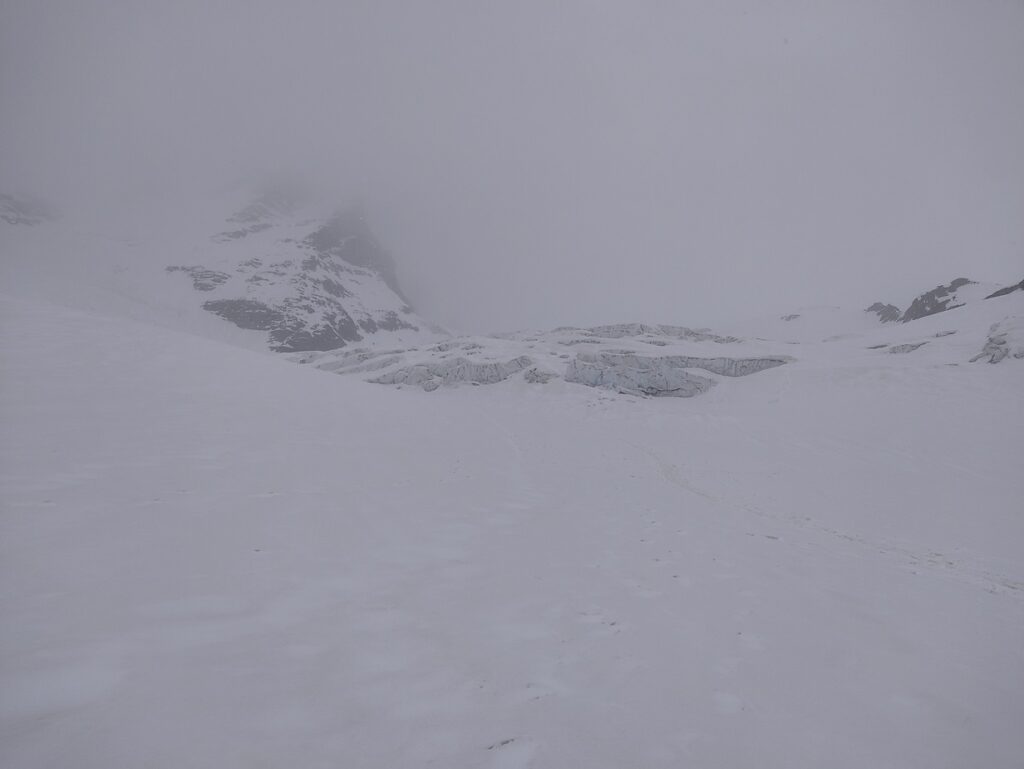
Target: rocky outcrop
(939,299)
(202,278)
(887,313)
(246,313)
(1007,290)
(313,283)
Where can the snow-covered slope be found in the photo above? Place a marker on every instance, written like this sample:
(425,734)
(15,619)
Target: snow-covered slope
(211,557)
(316,283)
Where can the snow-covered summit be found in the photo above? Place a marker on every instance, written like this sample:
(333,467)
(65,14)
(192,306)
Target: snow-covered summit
(311,280)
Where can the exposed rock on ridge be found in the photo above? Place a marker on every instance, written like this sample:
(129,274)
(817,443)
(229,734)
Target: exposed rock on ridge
(1007,290)
(887,313)
(939,299)
(310,282)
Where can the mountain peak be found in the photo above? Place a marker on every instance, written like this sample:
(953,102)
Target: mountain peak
(311,281)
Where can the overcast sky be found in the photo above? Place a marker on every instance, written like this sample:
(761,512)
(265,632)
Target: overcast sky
(535,164)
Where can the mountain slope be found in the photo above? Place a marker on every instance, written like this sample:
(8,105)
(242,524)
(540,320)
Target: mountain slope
(816,566)
(312,284)
(279,272)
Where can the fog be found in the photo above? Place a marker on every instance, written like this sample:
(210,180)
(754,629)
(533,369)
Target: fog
(536,164)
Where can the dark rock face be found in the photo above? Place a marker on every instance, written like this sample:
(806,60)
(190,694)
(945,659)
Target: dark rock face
(939,299)
(334,332)
(347,236)
(202,278)
(1007,290)
(23,211)
(390,322)
(245,313)
(887,313)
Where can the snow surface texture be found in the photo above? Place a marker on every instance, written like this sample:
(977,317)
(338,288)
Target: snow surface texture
(214,557)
